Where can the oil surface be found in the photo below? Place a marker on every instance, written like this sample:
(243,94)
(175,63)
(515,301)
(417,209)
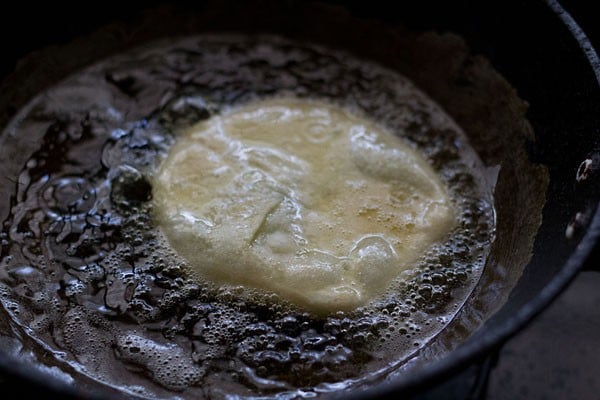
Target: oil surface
(86,273)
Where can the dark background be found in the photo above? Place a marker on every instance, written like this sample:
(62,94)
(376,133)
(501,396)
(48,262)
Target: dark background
(556,357)
(26,25)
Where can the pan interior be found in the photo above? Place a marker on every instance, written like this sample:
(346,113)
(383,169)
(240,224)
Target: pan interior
(131,286)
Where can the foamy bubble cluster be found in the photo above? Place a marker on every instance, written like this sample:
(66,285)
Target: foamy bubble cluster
(169,364)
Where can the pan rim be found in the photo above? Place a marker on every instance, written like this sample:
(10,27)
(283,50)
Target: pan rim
(472,351)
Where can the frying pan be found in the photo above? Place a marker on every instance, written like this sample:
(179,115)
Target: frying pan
(535,45)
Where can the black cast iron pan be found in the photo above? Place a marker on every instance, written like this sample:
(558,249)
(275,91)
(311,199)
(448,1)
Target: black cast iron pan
(535,45)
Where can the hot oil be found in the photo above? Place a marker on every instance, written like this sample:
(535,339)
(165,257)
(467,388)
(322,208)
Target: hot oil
(88,275)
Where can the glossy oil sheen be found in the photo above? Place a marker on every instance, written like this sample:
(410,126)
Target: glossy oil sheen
(87,274)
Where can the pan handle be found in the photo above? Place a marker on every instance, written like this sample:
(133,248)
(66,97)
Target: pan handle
(587,186)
